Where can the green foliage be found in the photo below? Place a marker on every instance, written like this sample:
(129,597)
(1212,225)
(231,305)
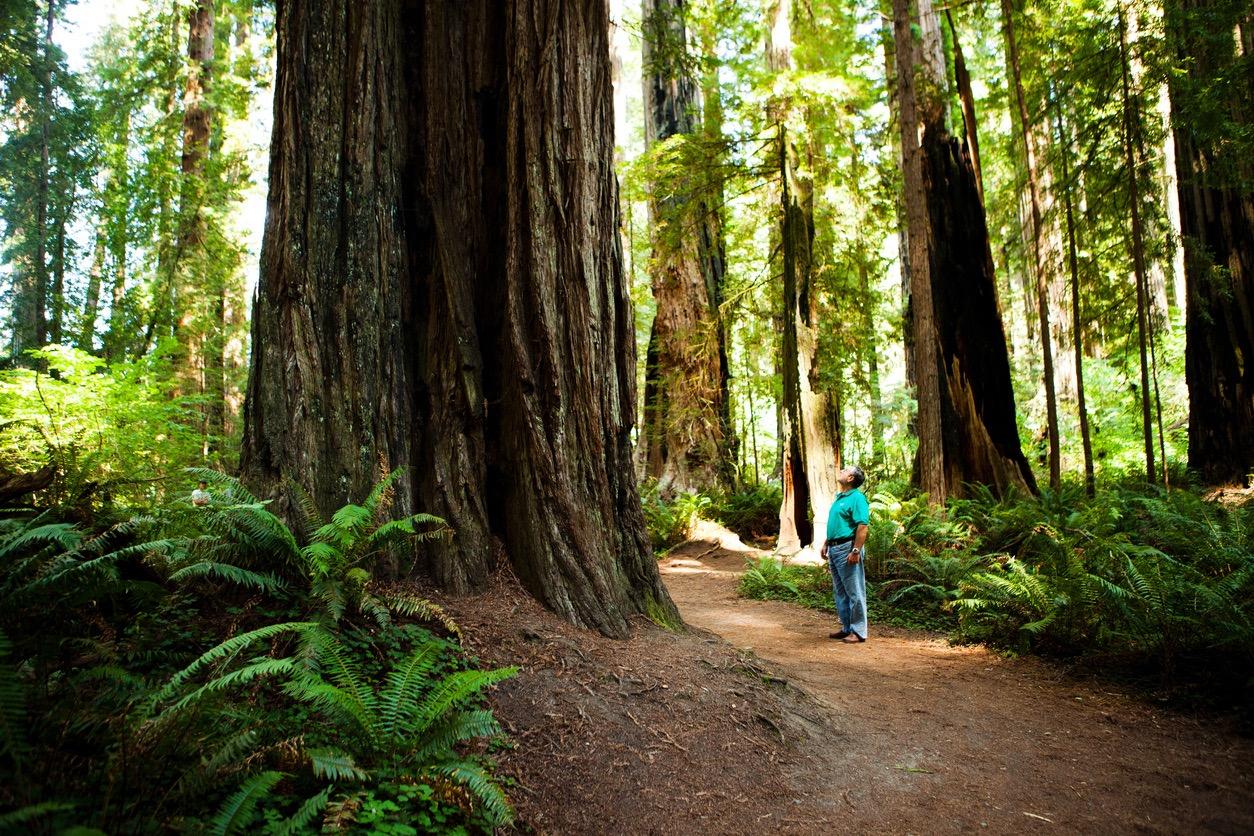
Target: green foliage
(110,431)
(291,717)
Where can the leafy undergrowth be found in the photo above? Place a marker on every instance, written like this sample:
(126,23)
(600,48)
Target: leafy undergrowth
(751,512)
(213,670)
(1142,582)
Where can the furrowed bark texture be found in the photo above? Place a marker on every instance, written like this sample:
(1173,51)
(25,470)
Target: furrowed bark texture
(442,291)
(811,443)
(1217,219)
(978,435)
(686,434)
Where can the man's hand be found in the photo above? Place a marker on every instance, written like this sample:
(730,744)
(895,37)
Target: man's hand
(854,556)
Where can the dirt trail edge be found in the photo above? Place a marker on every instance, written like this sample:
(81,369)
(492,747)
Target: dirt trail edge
(935,738)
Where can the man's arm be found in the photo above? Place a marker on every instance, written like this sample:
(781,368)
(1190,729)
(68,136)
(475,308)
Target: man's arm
(859,538)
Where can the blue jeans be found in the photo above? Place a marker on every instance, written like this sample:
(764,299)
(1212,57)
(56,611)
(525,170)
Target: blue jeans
(848,588)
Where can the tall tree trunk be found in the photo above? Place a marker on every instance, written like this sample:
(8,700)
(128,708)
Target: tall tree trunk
(923,341)
(967,99)
(1073,263)
(1211,38)
(117,335)
(91,303)
(190,292)
(686,429)
(811,432)
(1038,245)
(56,323)
(39,320)
(979,436)
(1138,253)
(442,289)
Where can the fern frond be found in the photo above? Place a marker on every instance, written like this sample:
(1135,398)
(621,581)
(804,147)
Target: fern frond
(32,812)
(440,739)
(492,800)
(398,704)
(453,690)
(335,765)
(230,647)
(310,516)
(63,536)
(337,661)
(340,704)
(227,572)
(237,811)
(381,495)
(246,674)
(411,606)
(305,815)
(231,754)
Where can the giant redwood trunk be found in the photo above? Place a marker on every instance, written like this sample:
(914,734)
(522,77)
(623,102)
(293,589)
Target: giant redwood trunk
(687,435)
(979,434)
(1217,220)
(442,291)
(810,442)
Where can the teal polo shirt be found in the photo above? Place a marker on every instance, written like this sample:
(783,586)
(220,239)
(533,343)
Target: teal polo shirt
(849,510)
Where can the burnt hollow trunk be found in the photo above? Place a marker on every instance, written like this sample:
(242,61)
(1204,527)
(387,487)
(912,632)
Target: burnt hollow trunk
(978,421)
(442,291)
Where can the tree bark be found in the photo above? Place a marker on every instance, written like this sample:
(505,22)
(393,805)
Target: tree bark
(91,303)
(923,336)
(1217,220)
(39,321)
(1138,254)
(811,431)
(1039,258)
(442,290)
(1073,263)
(973,398)
(686,429)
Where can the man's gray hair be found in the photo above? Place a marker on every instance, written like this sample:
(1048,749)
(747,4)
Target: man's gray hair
(858,476)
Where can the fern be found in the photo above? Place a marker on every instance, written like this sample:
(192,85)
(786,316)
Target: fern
(10,821)
(237,811)
(12,708)
(225,572)
(335,765)
(306,813)
(481,785)
(230,648)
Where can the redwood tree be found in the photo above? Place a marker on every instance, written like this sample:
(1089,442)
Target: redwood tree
(949,245)
(441,288)
(1212,105)
(687,435)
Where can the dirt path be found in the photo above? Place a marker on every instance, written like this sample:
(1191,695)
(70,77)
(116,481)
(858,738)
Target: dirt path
(955,739)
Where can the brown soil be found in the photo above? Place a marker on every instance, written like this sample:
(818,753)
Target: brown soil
(753,721)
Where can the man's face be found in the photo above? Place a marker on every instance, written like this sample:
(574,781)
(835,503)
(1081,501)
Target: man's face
(846,476)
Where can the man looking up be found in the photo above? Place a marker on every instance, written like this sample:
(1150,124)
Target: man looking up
(846,533)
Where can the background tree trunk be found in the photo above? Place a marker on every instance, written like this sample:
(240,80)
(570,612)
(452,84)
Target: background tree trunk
(442,290)
(974,398)
(810,442)
(686,429)
(1217,219)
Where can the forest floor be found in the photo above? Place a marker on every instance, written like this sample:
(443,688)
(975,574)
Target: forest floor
(754,721)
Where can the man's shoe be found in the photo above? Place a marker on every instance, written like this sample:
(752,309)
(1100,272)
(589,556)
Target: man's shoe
(842,634)
(852,638)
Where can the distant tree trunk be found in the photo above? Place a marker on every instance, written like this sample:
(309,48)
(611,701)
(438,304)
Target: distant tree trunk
(442,289)
(1211,38)
(1064,147)
(811,432)
(91,303)
(1138,255)
(974,399)
(117,334)
(1038,256)
(39,322)
(56,323)
(686,429)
